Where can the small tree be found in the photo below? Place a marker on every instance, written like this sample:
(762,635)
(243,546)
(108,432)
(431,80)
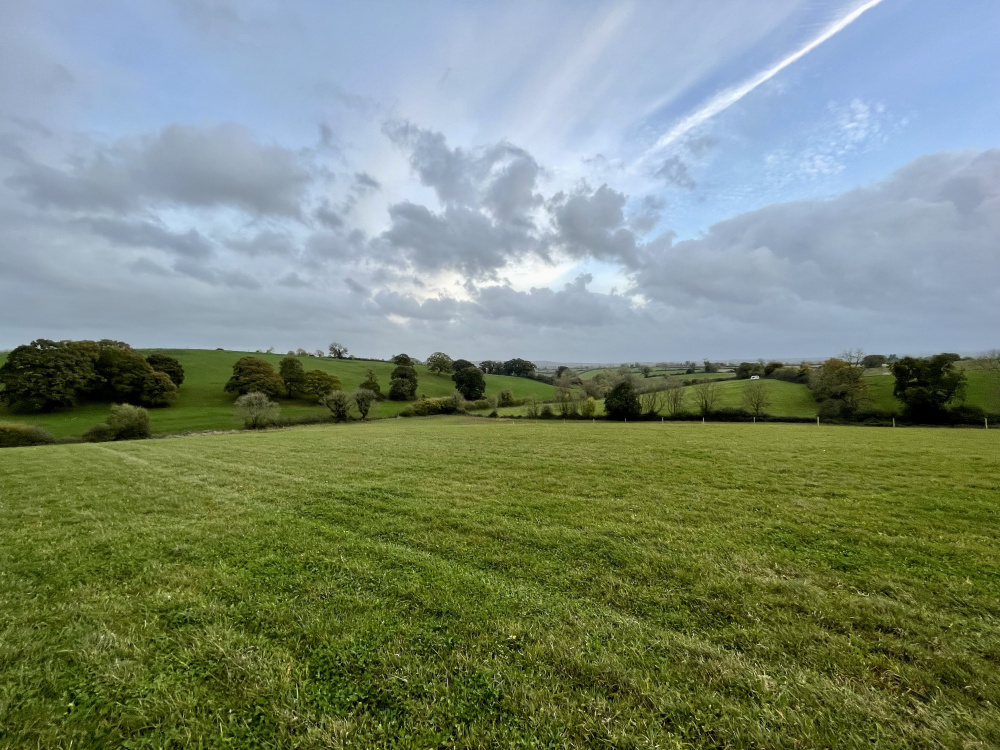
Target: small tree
(169,365)
(371,383)
(756,397)
(403,385)
(255,375)
(505,397)
(652,401)
(772,367)
(293,374)
(873,360)
(470,382)
(338,350)
(622,401)
(706,393)
(839,380)
(646,371)
(711,366)
(363,400)
(318,383)
(256,410)
(531,406)
(588,408)
(128,422)
(440,363)
(673,399)
(339,404)
(402,359)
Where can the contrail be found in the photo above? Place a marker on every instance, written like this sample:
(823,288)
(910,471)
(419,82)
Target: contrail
(725,99)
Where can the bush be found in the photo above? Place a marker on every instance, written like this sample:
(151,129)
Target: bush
(505,397)
(363,400)
(256,410)
(588,408)
(622,401)
(339,404)
(99,433)
(317,383)
(129,422)
(255,375)
(546,412)
(15,435)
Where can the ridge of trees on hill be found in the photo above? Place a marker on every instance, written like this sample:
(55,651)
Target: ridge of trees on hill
(46,375)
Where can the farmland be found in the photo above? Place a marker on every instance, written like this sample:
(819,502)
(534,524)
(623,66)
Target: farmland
(202,404)
(469,583)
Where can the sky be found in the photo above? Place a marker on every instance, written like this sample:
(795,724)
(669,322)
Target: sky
(578,181)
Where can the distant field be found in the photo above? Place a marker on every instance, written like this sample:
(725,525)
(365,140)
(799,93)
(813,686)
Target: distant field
(982,390)
(453,582)
(203,405)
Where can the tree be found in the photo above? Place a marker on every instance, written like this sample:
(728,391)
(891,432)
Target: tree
(461,364)
(711,366)
(402,359)
(839,380)
(169,365)
(363,400)
(756,397)
(46,375)
(130,378)
(339,404)
(338,350)
(440,362)
(746,369)
(622,401)
(588,408)
(519,368)
(403,383)
(370,383)
(157,390)
(470,382)
(256,410)
(646,371)
(252,374)
(706,393)
(293,374)
(873,360)
(652,401)
(926,386)
(854,357)
(317,383)
(771,367)
(673,399)
(491,367)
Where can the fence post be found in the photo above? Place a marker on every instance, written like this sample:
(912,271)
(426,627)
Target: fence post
(986,422)
(893,421)
(817,420)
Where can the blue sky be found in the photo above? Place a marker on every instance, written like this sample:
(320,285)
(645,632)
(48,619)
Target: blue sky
(563,180)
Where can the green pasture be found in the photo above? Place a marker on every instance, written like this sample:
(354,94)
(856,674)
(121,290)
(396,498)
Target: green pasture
(470,583)
(203,405)
(982,390)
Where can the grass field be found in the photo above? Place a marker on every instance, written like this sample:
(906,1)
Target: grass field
(455,582)
(203,405)
(982,390)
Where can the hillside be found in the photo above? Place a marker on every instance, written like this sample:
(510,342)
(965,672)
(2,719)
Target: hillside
(202,404)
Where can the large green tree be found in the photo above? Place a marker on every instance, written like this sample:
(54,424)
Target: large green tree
(439,362)
(255,375)
(622,402)
(839,381)
(926,386)
(403,385)
(293,374)
(470,382)
(47,374)
(318,383)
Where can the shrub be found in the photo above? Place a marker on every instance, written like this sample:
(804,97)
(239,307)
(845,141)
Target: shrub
(505,397)
(256,410)
(588,408)
(452,404)
(371,384)
(363,400)
(318,383)
(546,412)
(15,435)
(531,402)
(339,404)
(129,422)
(99,433)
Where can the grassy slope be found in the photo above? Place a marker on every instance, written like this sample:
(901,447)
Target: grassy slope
(982,389)
(203,405)
(559,585)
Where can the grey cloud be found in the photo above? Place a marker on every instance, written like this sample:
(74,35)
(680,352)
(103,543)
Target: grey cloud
(147,234)
(675,171)
(645,218)
(439,167)
(224,165)
(327,216)
(356,288)
(922,243)
(145,265)
(293,280)
(394,303)
(593,225)
(266,242)
(216,276)
(364,182)
(573,305)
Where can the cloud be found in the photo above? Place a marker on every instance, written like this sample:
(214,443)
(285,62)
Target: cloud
(572,306)
(645,218)
(191,244)
(221,166)
(592,225)
(675,172)
(266,242)
(922,243)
